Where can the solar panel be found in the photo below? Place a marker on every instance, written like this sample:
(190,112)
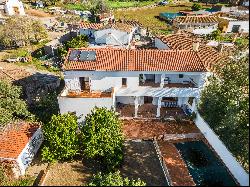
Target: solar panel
(87,56)
(92,56)
(74,55)
(84,56)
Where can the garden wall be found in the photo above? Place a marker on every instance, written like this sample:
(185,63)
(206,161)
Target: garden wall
(229,160)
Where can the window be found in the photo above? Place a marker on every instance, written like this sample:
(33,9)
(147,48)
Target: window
(181,76)
(124,82)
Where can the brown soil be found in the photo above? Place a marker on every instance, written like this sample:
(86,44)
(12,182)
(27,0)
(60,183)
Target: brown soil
(176,166)
(147,129)
(37,13)
(141,161)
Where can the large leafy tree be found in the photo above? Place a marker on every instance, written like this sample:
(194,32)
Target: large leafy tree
(114,179)
(102,137)
(11,105)
(225,106)
(61,138)
(21,31)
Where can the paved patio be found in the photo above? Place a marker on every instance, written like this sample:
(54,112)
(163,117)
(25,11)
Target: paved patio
(150,128)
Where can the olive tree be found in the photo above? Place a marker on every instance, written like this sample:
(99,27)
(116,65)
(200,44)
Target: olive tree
(102,137)
(11,105)
(21,31)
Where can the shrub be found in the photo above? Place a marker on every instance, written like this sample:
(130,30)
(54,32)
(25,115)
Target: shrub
(114,179)
(61,139)
(196,7)
(102,137)
(192,116)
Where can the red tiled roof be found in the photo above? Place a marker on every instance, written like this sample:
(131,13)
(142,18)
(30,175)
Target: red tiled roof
(110,59)
(195,19)
(208,55)
(14,140)
(95,26)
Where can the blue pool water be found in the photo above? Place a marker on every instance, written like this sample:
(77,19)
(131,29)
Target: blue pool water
(205,168)
(169,15)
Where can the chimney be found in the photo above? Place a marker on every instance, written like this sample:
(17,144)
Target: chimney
(196,45)
(220,47)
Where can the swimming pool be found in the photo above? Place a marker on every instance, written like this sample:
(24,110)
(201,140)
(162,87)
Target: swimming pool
(169,15)
(205,168)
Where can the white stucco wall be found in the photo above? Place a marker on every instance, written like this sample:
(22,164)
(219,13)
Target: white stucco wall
(244,25)
(204,31)
(82,106)
(9,7)
(30,150)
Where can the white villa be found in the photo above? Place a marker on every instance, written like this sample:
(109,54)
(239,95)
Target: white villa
(12,7)
(115,34)
(132,80)
(196,24)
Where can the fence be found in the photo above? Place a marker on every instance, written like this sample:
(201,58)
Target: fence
(163,165)
(229,160)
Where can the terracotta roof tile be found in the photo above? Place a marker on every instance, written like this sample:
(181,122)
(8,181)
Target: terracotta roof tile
(110,59)
(196,19)
(95,26)
(208,55)
(13,141)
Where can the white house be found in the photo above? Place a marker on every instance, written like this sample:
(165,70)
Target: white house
(196,24)
(115,34)
(235,26)
(109,77)
(12,7)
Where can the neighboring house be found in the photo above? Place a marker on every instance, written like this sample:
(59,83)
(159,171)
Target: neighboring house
(231,25)
(89,29)
(196,24)
(108,77)
(106,18)
(18,146)
(12,7)
(117,34)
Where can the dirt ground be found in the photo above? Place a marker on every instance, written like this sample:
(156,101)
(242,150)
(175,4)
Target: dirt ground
(147,129)
(141,161)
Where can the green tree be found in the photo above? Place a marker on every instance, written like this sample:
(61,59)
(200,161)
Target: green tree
(77,42)
(11,105)
(114,179)
(21,31)
(196,7)
(225,106)
(61,138)
(46,107)
(102,137)
(215,35)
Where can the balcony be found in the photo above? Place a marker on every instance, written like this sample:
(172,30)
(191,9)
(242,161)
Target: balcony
(149,83)
(88,94)
(180,85)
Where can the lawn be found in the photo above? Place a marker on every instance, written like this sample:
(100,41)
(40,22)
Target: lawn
(127,4)
(148,17)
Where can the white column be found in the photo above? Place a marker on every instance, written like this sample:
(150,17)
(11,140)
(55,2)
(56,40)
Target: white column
(162,80)
(136,106)
(159,107)
(179,101)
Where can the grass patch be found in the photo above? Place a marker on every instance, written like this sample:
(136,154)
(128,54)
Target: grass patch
(148,17)
(127,4)
(76,6)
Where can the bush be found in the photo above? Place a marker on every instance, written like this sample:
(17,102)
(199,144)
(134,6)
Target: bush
(61,139)
(196,7)
(114,179)
(102,137)
(192,116)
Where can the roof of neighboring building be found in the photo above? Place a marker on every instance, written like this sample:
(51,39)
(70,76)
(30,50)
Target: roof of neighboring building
(109,59)
(14,140)
(99,26)
(195,19)
(119,26)
(87,25)
(207,54)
